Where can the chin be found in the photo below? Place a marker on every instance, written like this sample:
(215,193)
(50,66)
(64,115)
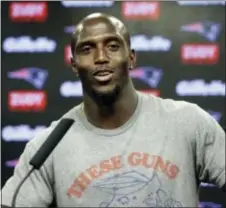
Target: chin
(106,94)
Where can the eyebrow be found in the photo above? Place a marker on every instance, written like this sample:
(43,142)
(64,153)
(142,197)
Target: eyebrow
(107,38)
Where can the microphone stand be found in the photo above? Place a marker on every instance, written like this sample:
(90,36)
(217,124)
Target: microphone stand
(44,151)
(15,194)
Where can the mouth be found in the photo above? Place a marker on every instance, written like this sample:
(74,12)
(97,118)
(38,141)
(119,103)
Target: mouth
(103,75)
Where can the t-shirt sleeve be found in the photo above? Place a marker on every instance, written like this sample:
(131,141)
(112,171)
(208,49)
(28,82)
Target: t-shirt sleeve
(36,191)
(210,149)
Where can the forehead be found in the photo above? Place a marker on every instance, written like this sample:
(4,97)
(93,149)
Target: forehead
(97,30)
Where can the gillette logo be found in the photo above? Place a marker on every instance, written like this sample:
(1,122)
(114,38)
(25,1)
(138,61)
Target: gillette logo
(209,30)
(148,75)
(87,3)
(34,76)
(201,3)
(26,44)
(156,43)
(200,88)
(209,205)
(216,115)
(71,89)
(11,163)
(207,185)
(69,29)
(20,133)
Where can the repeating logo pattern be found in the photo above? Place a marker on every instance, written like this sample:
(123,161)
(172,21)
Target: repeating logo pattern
(179,56)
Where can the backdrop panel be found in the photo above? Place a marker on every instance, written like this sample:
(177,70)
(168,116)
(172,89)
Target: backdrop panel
(180,52)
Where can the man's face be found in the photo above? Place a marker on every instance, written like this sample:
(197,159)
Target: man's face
(102,58)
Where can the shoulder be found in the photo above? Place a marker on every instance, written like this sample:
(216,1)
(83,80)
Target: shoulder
(184,111)
(169,105)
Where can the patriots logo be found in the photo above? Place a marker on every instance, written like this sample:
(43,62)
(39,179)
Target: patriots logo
(207,29)
(149,75)
(34,76)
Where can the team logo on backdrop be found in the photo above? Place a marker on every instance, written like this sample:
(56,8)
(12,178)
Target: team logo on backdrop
(135,10)
(199,87)
(34,76)
(149,75)
(20,133)
(71,89)
(201,3)
(27,44)
(27,100)
(199,53)
(215,114)
(155,43)
(87,3)
(154,92)
(207,29)
(67,54)
(28,11)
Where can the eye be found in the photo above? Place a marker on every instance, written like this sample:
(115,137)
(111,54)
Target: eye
(113,47)
(86,49)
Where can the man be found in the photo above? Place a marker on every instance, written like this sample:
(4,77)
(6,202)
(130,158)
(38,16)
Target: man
(125,148)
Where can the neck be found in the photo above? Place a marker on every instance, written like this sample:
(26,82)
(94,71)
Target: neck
(115,115)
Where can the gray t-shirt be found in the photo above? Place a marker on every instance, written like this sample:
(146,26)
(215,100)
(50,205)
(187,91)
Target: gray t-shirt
(157,159)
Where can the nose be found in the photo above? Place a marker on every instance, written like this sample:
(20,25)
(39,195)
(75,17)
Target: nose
(101,57)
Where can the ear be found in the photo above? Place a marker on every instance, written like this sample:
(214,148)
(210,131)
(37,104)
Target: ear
(73,65)
(132,58)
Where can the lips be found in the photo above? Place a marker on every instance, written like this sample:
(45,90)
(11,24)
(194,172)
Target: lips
(103,75)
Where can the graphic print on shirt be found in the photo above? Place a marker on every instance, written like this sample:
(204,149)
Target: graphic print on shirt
(126,188)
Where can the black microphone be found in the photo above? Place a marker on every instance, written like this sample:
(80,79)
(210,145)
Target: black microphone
(50,143)
(44,151)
